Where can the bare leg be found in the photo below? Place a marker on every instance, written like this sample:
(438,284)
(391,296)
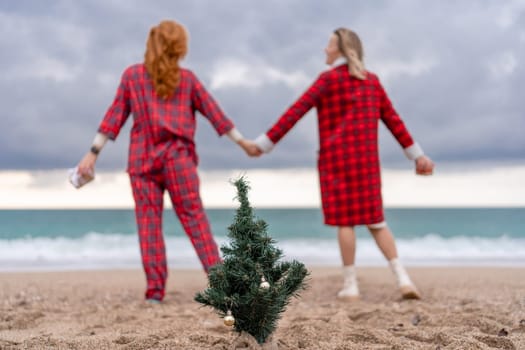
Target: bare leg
(346,237)
(385,241)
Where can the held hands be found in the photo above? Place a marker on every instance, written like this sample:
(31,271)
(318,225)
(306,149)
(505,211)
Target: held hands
(250,148)
(424,166)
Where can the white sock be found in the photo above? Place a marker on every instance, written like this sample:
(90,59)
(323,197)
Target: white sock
(349,274)
(399,271)
(349,281)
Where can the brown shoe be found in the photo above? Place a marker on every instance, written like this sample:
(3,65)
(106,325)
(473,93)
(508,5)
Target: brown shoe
(409,292)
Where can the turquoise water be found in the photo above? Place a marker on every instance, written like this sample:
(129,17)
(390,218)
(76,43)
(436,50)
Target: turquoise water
(283,223)
(71,239)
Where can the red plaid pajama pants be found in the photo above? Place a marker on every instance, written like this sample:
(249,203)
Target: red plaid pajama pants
(178,175)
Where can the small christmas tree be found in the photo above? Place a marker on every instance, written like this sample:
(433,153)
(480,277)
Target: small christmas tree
(251,289)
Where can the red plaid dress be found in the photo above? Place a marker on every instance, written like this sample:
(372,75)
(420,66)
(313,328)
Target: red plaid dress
(349,110)
(162,157)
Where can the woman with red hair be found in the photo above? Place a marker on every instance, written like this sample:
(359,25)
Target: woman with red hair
(350,101)
(163,98)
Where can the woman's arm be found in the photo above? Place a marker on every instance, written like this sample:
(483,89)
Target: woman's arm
(87,164)
(295,112)
(412,150)
(397,127)
(110,127)
(119,111)
(208,107)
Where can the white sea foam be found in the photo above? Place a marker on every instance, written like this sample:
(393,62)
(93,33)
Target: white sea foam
(107,251)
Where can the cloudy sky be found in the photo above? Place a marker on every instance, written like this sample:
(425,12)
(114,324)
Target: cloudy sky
(454,70)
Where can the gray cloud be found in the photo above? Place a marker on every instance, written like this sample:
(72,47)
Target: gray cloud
(453,70)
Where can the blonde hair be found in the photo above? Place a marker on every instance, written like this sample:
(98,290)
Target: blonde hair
(351,48)
(167,44)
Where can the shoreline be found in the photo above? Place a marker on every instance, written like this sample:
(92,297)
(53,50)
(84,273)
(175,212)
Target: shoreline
(462,308)
(195,267)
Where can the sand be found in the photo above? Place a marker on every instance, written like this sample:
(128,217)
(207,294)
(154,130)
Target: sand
(462,308)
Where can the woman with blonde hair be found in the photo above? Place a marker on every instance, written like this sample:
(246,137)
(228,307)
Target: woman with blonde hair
(350,101)
(163,98)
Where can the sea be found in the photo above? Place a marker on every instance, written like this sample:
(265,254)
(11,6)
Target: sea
(55,240)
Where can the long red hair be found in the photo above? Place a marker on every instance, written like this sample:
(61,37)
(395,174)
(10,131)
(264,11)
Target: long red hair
(167,44)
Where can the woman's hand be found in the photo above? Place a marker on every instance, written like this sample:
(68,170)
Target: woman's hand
(424,166)
(250,148)
(87,164)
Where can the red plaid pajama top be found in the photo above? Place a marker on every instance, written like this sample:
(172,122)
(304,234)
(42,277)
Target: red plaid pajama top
(157,122)
(349,110)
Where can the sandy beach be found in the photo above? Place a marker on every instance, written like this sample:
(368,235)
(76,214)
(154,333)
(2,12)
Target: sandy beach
(463,308)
